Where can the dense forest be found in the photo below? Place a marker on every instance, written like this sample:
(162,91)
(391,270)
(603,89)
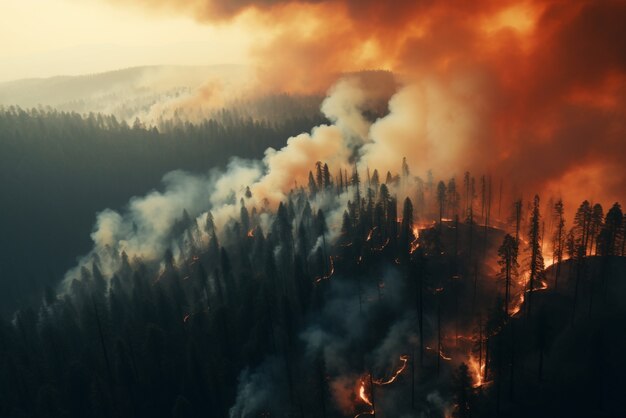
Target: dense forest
(60,168)
(431,298)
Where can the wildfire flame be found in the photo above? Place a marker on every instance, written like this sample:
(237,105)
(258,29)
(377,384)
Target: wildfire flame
(363,395)
(251,233)
(404,359)
(382,247)
(414,245)
(443,356)
(319,279)
(365,399)
(477,370)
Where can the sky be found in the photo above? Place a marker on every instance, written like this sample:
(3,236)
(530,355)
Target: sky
(529,90)
(42,38)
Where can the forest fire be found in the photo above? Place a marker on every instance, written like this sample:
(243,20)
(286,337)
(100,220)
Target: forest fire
(362,394)
(414,245)
(413,183)
(365,399)
(331,271)
(362,384)
(477,371)
(404,359)
(443,356)
(382,247)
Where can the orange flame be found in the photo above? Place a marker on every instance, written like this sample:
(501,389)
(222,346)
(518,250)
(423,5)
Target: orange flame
(363,395)
(365,399)
(443,356)
(477,370)
(319,279)
(404,359)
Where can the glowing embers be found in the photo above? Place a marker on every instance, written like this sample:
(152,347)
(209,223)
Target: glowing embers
(382,247)
(330,273)
(404,359)
(441,353)
(414,245)
(188,316)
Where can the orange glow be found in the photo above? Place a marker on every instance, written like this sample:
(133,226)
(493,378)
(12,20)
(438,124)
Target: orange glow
(382,247)
(319,279)
(363,395)
(477,371)
(443,356)
(404,359)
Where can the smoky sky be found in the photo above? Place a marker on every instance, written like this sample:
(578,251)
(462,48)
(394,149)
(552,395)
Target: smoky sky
(539,87)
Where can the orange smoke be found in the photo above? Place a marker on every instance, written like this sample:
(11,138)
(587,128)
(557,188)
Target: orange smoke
(536,89)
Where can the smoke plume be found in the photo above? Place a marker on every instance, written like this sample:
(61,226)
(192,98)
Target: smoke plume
(529,91)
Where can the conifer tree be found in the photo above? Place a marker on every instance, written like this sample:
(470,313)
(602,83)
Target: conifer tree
(535,262)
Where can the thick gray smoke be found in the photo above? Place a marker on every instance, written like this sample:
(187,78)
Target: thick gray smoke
(362,327)
(144,229)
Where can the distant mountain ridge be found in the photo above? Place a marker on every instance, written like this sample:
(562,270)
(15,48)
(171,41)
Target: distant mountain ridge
(121,92)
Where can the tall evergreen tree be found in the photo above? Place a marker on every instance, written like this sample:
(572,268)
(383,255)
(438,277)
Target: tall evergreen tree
(508,266)
(535,262)
(558,239)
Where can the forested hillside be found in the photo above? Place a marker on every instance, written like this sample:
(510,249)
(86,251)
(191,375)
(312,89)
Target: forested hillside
(419,306)
(60,168)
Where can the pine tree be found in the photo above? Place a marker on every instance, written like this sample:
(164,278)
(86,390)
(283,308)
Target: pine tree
(319,176)
(441,199)
(581,229)
(312,185)
(597,217)
(611,231)
(535,263)
(508,264)
(406,233)
(326,177)
(558,239)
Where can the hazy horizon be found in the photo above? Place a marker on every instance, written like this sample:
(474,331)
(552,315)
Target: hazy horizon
(68,37)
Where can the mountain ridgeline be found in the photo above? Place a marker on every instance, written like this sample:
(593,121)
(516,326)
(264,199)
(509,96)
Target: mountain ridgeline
(421,298)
